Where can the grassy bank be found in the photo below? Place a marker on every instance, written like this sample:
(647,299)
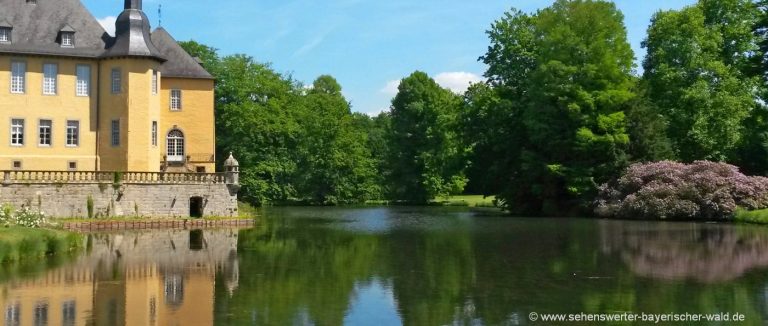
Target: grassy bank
(466,200)
(23,244)
(756,217)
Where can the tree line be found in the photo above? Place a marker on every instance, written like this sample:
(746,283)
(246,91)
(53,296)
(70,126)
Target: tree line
(563,109)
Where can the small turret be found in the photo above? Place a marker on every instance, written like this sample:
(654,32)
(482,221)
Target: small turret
(232,170)
(132,34)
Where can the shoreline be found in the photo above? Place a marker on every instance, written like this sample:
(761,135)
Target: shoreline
(117,225)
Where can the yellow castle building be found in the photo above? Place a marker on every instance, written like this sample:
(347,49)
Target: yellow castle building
(74,98)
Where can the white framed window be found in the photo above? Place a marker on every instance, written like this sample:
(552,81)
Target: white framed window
(45,128)
(17,132)
(5,34)
(18,77)
(154,133)
(71,166)
(73,133)
(16,165)
(115,132)
(50,78)
(68,308)
(116,81)
(41,313)
(175,146)
(83,87)
(155,79)
(67,39)
(13,311)
(175,99)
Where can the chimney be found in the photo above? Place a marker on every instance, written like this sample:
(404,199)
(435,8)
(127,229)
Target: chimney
(133,4)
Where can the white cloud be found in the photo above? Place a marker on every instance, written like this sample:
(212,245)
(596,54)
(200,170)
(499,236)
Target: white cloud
(391,87)
(458,82)
(109,24)
(375,112)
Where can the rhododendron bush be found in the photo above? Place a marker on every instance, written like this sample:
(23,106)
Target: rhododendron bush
(671,190)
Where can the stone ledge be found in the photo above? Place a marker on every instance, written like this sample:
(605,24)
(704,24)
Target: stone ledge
(148,225)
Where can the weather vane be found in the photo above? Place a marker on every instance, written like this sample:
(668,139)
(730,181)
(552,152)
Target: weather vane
(160,15)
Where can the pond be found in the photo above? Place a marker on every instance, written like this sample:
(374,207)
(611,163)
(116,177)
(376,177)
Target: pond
(397,266)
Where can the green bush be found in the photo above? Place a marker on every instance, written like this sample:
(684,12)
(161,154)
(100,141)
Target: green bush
(24,244)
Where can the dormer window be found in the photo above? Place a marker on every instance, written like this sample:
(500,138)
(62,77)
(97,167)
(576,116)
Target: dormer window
(68,39)
(5,34)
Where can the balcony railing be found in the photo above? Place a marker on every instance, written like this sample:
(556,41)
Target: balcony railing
(201,158)
(111,177)
(191,158)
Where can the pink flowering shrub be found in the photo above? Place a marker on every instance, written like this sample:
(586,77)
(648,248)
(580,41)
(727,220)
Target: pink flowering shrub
(671,190)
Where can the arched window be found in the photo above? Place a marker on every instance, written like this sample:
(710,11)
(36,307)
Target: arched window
(175,146)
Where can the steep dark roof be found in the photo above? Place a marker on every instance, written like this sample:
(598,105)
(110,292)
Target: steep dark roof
(180,63)
(36,28)
(132,36)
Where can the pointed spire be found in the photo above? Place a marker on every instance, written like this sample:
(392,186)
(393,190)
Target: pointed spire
(133,4)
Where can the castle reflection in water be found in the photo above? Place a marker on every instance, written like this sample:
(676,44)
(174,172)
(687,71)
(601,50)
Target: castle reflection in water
(156,278)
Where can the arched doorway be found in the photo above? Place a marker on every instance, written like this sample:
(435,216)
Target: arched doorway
(175,146)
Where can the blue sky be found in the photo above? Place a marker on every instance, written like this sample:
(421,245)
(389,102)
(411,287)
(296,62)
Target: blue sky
(368,45)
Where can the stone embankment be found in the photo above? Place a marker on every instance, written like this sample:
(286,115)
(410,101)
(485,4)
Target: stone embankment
(155,224)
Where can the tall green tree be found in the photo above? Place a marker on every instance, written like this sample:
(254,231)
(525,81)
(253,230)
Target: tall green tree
(697,72)
(648,130)
(336,164)
(566,75)
(752,155)
(493,132)
(376,129)
(426,155)
(761,31)
(257,118)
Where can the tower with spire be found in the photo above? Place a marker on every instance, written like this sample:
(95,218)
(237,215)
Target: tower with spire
(132,61)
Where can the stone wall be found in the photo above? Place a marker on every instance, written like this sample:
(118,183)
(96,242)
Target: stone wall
(62,199)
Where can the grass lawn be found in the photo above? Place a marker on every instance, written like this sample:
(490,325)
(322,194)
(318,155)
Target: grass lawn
(18,243)
(466,200)
(757,216)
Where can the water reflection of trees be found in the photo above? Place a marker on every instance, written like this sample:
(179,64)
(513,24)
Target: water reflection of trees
(466,271)
(676,251)
(437,278)
(299,275)
(491,274)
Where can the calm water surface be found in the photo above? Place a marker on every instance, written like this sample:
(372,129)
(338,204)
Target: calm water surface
(395,266)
